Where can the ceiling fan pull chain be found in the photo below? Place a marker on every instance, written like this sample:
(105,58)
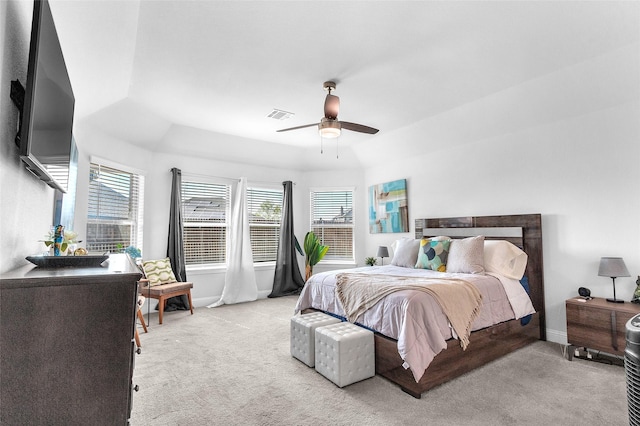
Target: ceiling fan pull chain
(321,145)
(337,156)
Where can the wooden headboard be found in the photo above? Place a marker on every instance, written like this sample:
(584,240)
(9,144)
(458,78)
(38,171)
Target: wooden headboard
(525,231)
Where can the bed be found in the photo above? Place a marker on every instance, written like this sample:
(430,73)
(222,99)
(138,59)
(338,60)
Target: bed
(495,332)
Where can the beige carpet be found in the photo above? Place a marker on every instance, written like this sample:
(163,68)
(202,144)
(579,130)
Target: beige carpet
(231,365)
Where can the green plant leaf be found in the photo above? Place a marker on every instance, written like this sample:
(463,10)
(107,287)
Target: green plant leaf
(297,244)
(313,249)
(310,240)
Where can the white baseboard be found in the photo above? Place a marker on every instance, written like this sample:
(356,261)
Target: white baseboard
(201,302)
(556,336)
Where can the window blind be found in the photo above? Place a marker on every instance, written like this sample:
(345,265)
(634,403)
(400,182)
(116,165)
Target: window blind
(114,219)
(204,215)
(265,213)
(332,221)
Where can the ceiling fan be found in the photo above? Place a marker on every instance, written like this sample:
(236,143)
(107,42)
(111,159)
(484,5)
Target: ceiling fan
(329,126)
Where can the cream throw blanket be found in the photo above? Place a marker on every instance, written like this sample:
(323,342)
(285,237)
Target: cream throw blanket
(460,300)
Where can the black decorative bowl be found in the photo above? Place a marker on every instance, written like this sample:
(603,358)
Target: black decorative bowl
(67,261)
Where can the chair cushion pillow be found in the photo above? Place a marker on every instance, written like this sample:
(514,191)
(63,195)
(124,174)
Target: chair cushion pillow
(158,271)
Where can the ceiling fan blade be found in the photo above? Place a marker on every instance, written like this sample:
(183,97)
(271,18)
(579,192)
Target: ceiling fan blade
(358,127)
(296,128)
(331,107)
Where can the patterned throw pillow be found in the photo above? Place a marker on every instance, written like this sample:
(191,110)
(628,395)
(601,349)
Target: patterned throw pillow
(433,254)
(158,271)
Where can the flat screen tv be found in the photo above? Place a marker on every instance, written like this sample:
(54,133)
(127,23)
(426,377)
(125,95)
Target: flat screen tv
(47,114)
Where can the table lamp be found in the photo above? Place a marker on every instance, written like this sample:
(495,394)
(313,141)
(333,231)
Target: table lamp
(383,252)
(613,267)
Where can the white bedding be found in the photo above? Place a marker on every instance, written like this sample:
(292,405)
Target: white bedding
(403,315)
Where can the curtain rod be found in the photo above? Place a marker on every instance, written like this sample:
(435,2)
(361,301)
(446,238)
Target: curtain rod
(227,178)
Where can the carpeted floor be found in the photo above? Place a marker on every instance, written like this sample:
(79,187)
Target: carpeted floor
(231,366)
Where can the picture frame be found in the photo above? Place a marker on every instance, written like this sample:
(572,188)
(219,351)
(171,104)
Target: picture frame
(388,207)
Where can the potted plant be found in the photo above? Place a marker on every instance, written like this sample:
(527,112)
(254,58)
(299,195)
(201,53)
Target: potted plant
(314,252)
(370,261)
(60,239)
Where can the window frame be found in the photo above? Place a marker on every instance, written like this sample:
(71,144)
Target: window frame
(136,221)
(328,257)
(257,186)
(207,180)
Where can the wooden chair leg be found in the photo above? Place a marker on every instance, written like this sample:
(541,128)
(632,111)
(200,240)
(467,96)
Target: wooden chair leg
(141,318)
(161,308)
(137,336)
(162,301)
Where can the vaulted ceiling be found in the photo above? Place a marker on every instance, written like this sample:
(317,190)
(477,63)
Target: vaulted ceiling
(143,71)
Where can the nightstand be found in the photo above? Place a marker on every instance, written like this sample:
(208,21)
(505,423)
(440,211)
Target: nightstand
(598,324)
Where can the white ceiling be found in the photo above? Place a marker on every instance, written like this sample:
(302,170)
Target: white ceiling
(142,69)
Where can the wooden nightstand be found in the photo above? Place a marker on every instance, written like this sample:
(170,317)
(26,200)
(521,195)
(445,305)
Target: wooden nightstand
(598,324)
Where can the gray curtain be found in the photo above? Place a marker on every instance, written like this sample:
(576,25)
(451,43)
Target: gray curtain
(175,249)
(287,279)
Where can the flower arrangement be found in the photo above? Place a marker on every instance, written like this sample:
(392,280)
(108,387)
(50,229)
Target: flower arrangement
(60,238)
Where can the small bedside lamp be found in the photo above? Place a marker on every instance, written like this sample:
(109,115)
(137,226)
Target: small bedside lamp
(613,267)
(383,252)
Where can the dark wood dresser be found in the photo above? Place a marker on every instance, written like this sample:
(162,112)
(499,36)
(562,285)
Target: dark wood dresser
(598,324)
(66,344)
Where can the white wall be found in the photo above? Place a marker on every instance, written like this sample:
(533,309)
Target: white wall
(26,203)
(578,168)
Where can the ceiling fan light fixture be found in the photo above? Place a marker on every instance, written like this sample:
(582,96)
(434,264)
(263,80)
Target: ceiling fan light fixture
(329,129)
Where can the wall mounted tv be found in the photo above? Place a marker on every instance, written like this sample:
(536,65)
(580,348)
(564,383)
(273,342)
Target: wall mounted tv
(47,113)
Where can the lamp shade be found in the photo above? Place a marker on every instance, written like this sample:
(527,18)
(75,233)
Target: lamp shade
(383,251)
(612,267)
(329,129)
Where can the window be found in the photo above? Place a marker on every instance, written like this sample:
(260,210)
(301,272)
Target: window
(265,211)
(204,217)
(332,221)
(115,209)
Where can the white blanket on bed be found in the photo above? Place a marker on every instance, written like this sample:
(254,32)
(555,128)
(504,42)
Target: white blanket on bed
(402,315)
(459,299)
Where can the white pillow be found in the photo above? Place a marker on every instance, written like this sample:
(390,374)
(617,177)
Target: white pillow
(504,258)
(405,252)
(466,255)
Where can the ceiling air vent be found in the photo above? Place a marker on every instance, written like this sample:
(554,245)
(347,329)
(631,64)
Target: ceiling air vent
(279,114)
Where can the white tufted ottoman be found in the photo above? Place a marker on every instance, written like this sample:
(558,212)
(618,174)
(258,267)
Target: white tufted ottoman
(345,353)
(303,334)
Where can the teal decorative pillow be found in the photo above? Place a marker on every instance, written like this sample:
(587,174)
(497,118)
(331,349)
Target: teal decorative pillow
(433,254)
(158,271)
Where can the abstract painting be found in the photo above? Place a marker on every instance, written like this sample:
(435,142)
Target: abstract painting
(388,210)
